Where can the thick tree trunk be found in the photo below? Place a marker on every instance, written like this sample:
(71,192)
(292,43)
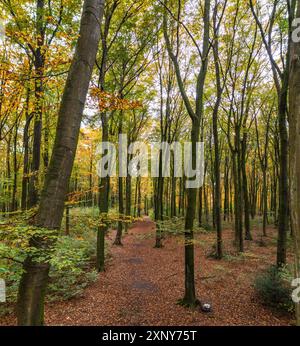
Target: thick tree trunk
(283,214)
(294,142)
(30,305)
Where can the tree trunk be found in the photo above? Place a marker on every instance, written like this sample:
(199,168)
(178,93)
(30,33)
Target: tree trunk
(283,214)
(39,65)
(26,154)
(217,186)
(248,235)
(158,215)
(190,294)
(226,190)
(294,145)
(67,231)
(265,202)
(237,204)
(128,198)
(30,305)
(14,203)
(118,239)
(103,205)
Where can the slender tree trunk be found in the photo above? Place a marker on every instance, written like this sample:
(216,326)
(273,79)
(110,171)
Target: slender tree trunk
(25,163)
(237,204)
(39,65)
(8,172)
(139,197)
(128,198)
(200,212)
(103,205)
(217,186)
(248,235)
(265,202)
(26,153)
(14,204)
(67,231)
(118,239)
(226,190)
(196,116)
(173,197)
(159,204)
(190,294)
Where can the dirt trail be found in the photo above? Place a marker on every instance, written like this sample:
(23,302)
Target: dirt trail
(142,284)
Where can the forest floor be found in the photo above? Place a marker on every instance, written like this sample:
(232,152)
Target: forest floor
(142,284)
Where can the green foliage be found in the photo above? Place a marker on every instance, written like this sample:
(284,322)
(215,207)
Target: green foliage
(207,227)
(71,269)
(274,288)
(172,226)
(176,225)
(89,218)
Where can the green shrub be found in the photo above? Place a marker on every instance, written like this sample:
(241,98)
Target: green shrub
(274,288)
(71,270)
(207,227)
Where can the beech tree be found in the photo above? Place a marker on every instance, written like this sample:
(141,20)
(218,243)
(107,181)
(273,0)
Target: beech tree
(281,80)
(34,279)
(294,153)
(171,72)
(196,114)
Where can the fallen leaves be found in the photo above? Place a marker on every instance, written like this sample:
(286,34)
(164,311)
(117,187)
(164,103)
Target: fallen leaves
(141,285)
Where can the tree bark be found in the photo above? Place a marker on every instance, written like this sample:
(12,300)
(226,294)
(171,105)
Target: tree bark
(30,305)
(39,65)
(26,154)
(103,204)
(294,145)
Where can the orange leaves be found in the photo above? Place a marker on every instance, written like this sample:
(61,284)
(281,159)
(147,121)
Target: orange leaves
(107,101)
(75,197)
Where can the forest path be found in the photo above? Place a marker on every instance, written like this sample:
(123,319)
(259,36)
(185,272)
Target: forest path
(141,285)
